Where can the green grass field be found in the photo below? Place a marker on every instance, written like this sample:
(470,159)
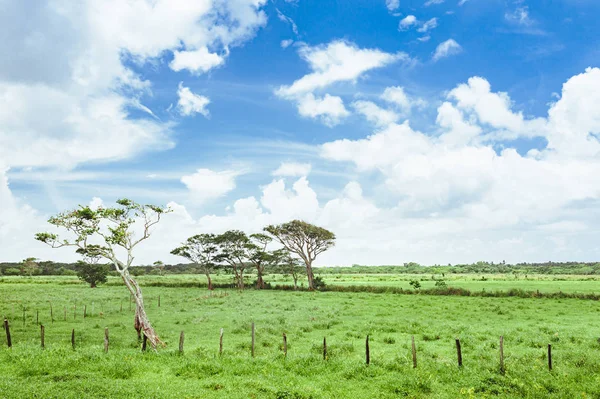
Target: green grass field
(572,326)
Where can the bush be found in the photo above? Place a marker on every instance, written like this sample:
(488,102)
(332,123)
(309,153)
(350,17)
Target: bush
(319,283)
(415,284)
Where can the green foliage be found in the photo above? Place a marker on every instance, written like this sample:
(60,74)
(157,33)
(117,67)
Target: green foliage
(527,324)
(415,284)
(92,273)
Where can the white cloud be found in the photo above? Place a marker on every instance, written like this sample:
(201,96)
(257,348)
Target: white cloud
(446,49)
(286,43)
(207,184)
(287,20)
(519,16)
(392,5)
(292,169)
(428,25)
(337,61)
(190,103)
(407,22)
(424,38)
(374,114)
(433,2)
(329,109)
(462,2)
(197,61)
(397,96)
(75,106)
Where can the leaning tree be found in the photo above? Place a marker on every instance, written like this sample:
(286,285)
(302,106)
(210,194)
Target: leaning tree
(202,249)
(109,233)
(305,240)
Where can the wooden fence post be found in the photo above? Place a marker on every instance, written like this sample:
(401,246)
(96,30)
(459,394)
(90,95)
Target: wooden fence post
(324,348)
(367,352)
(37,316)
(458,352)
(84,311)
(106,340)
(7,329)
(73,339)
(181,339)
(221,343)
(502,354)
(23,316)
(252,339)
(144,343)
(51,314)
(42,333)
(414,352)
(284,346)
(549,357)
(159,301)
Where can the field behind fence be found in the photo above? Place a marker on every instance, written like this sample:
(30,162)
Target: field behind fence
(215,358)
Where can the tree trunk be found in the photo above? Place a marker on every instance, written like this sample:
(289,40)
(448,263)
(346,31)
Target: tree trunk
(260,283)
(93,284)
(295,282)
(311,276)
(210,286)
(141,322)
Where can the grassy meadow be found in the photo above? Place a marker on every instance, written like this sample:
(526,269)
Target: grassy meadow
(528,325)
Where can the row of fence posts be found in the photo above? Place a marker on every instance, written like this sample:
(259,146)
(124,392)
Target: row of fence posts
(85,314)
(285,345)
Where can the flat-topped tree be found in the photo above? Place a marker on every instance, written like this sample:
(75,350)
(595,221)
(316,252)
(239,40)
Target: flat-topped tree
(305,240)
(234,246)
(104,232)
(201,249)
(259,256)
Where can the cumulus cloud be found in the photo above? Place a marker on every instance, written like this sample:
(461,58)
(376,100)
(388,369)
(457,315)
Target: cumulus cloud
(75,105)
(433,2)
(190,103)
(338,61)
(286,43)
(208,184)
(446,49)
(392,5)
(428,25)
(292,169)
(407,22)
(397,96)
(375,114)
(196,61)
(328,109)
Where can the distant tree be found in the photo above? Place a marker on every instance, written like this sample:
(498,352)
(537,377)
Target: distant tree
(415,284)
(12,271)
(201,249)
(160,266)
(234,248)
(92,273)
(29,266)
(305,240)
(259,256)
(289,266)
(113,228)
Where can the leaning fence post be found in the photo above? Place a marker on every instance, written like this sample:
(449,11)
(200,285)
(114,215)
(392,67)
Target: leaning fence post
(51,314)
(42,333)
(23,316)
(324,348)
(106,340)
(221,343)
(502,354)
(284,346)
(73,339)
(414,352)
(549,357)
(367,353)
(181,338)
(252,339)
(458,352)
(7,329)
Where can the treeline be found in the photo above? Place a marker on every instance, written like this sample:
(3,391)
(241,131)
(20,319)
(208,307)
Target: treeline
(50,268)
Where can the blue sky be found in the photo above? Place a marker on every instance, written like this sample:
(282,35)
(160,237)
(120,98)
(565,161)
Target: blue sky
(425,121)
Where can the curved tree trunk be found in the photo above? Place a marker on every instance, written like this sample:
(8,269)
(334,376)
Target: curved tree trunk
(141,322)
(210,286)
(260,283)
